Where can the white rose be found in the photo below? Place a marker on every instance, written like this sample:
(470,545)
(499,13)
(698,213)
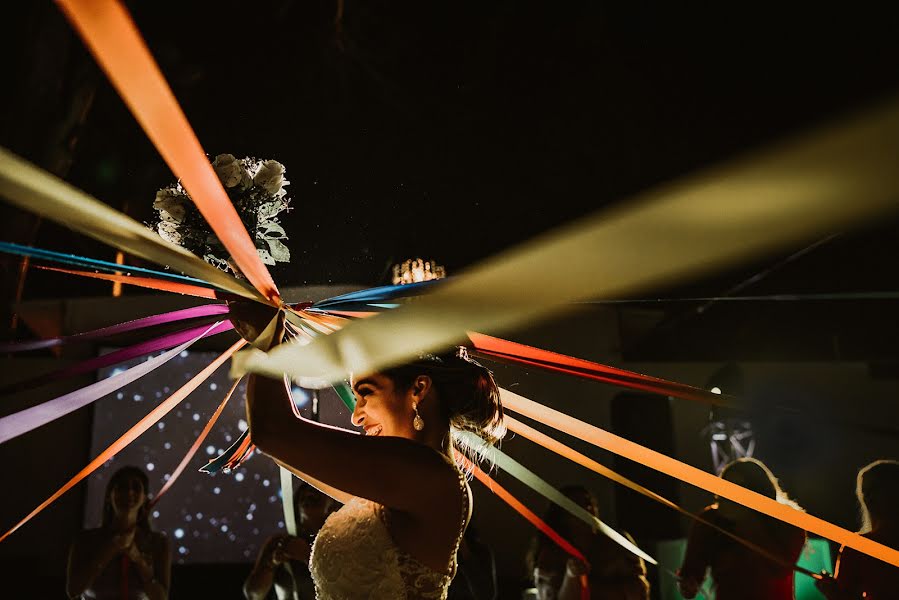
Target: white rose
(270,176)
(228,169)
(170,206)
(169,232)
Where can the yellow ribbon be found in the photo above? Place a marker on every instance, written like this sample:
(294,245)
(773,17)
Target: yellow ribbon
(836,178)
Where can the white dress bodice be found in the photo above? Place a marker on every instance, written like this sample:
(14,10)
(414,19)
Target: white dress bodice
(354,557)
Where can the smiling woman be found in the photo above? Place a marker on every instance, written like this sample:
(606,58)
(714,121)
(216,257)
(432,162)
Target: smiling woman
(406,503)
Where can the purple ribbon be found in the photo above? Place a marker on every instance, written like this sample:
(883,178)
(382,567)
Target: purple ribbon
(16,424)
(206,310)
(92,364)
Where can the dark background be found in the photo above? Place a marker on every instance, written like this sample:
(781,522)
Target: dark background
(453,130)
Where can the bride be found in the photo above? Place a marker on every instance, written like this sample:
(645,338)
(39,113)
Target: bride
(406,503)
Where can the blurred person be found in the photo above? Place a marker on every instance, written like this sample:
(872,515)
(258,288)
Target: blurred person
(614,573)
(738,572)
(858,575)
(283,562)
(476,576)
(123,558)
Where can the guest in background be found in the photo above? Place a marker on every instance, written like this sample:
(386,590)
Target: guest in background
(614,573)
(738,572)
(476,575)
(283,562)
(858,575)
(123,558)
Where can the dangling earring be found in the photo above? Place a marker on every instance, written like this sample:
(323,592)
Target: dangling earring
(417,423)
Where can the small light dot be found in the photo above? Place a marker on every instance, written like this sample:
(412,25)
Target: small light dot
(120,395)
(183,354)
(199,515)
(280,524)
(138,397)
(166,477)
(196,417)
(167,445)
(224,529)
(155,514)
(213,386)
(238,476)
(179,533)
(265,482)
(210,450)
(150,466)
(188,518)
(249,516)
(161,425)
(242,425)
(217,490)
(182,550)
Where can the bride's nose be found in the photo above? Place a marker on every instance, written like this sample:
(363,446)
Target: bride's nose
(358,416)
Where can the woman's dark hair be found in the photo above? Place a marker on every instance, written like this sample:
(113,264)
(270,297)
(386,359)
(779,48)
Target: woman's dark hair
(557,518)
(117,479)
(466,389)
(877,488)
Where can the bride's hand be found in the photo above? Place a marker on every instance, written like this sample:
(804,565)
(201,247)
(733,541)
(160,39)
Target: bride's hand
(251,319)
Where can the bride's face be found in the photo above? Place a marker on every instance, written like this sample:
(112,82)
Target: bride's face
(381,409)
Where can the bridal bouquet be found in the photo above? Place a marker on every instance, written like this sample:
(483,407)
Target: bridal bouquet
(255,187)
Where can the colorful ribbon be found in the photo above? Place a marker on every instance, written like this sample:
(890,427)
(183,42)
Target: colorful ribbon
(528,514)
(732,213)
(696,477)
(539,485)
(196,445)
(132,434)
(206,310)
(376,295)
(93,263)
(146,282)
(25,420)
(561,449)
(41,193)
(231,458)
(98,362)
(112,37)
(520,353)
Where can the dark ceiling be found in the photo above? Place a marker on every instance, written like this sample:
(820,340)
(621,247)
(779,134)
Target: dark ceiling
(453,130)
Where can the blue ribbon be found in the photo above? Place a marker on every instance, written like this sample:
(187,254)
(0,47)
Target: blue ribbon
(100,265)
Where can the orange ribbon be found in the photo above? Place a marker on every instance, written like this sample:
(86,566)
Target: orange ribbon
(697,477)
(145,282)
(112,37)
(561,449)
(196,446)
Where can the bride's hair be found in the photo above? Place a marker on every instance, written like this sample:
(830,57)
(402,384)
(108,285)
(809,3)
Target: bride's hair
(467,391)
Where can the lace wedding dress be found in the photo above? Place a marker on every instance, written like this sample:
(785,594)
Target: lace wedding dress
(354,557)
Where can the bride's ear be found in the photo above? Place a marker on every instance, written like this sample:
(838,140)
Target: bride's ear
(421,386)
